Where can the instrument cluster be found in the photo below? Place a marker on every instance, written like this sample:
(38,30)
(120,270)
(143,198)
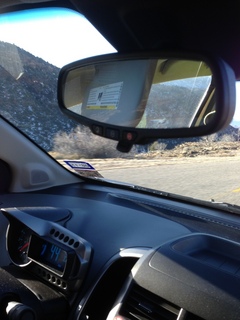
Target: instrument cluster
(47,249)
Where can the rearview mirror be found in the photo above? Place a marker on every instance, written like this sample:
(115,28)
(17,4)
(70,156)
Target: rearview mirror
(138,98)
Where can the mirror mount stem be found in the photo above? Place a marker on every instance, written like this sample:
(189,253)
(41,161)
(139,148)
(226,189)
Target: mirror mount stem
(124,146)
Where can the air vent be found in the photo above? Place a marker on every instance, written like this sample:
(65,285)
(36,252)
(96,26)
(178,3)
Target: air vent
(142,305)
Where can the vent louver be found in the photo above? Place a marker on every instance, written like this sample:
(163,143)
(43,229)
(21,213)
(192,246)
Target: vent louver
(143,305)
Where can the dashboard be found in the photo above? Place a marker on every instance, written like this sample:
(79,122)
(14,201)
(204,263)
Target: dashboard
(98,252)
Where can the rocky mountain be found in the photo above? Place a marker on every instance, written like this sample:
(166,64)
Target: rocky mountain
(28,97)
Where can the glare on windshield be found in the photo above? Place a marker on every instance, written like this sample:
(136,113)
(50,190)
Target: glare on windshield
(55,38)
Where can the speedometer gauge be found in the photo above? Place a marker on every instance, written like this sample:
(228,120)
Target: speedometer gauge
(18,238)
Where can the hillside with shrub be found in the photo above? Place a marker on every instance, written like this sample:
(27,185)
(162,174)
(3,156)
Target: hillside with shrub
(28,98)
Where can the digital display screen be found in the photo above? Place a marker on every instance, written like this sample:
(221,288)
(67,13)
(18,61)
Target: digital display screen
(48,254)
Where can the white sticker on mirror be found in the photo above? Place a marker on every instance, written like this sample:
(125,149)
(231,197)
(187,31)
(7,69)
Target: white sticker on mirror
(105,97)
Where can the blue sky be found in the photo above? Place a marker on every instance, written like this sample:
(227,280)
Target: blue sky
(56,38)
(237,112)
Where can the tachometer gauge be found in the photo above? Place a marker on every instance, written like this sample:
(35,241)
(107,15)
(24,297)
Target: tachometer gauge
(18,238)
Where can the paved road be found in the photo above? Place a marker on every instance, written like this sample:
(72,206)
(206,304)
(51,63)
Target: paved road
(211,178)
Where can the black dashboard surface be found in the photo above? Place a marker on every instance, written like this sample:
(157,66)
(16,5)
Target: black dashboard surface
(117,223)
(105,219)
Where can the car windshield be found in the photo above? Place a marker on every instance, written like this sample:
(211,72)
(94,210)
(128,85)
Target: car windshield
(34,45)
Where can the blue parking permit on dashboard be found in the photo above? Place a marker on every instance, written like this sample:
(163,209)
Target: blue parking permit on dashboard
(79,165)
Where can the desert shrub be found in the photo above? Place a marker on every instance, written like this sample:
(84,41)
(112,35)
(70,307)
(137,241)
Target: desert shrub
(82,143)
(227,138)
(210,138)
(157,146)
